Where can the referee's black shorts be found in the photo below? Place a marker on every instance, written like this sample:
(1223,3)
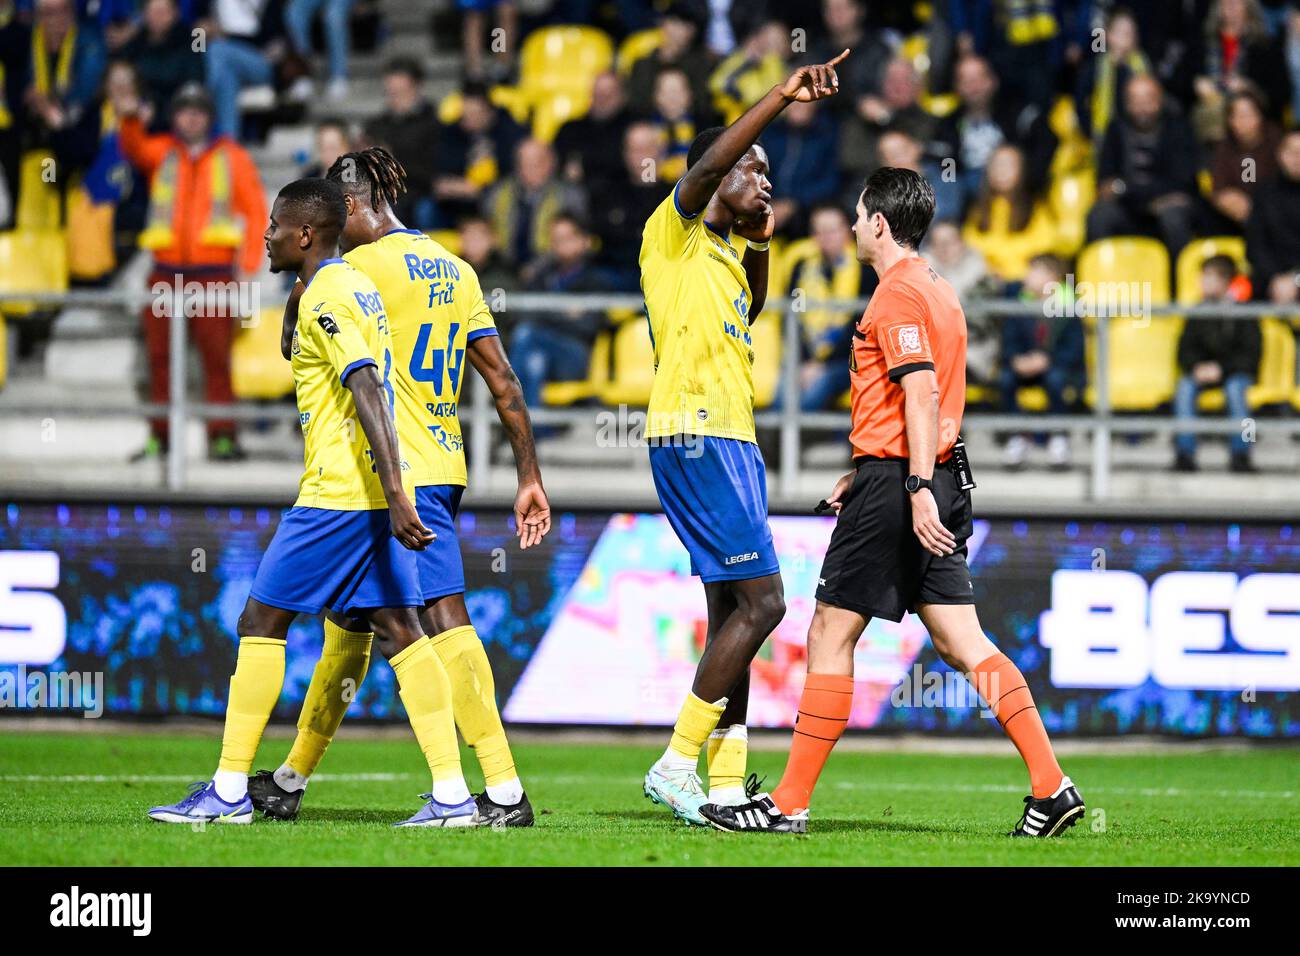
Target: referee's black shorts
(875,565)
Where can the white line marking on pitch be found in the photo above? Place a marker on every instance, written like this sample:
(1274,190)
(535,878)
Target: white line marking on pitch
(565,779)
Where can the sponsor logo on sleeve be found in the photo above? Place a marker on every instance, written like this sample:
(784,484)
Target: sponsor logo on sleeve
(328,324)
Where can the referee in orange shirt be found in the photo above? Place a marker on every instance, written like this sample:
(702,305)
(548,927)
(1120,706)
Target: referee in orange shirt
(904,515)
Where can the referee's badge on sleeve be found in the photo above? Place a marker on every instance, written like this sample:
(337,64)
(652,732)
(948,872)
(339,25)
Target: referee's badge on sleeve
(907,340)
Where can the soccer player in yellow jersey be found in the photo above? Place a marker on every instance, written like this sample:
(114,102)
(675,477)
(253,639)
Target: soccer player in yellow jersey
(438,318)
(707,468)
(350,540)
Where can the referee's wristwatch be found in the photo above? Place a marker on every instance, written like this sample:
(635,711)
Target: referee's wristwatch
(915,483)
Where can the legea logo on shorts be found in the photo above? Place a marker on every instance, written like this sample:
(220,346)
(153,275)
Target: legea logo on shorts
(907,339)
(741,558)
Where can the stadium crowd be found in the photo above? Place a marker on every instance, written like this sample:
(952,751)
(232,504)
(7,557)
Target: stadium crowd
(1044,126)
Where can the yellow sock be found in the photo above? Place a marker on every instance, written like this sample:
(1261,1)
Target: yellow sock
(254,689)
(728,748)
(344,660)
(426,693)
(694,724)
(474,701)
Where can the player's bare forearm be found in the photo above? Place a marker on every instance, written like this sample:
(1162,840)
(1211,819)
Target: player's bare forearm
(921,413)
(702,180)
(808,83)
(290,320)
(532,509)
(489,360)
(377,423)
(756,265)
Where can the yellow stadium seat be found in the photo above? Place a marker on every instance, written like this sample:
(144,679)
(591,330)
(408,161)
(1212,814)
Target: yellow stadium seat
(564,57)
(766,336)
(32,260)
(1070,197)
(257,369)
(449,239)
(1143,353)
(39,195)
(1032,398)
(553,110)
(634,366)
(637,46)
(1187,273)
(566,393)
(510,98)
(1073,150)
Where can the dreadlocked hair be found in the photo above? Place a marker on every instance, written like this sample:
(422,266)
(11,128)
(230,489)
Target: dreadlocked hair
(376,168)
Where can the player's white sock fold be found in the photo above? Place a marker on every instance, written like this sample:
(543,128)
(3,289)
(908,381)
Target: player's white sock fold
(673,761)
(232,786)
(286,778)
(727,796)
(507,793)
(450,792)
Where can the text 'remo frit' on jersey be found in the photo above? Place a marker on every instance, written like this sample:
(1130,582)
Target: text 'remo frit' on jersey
(697,302)
(435,309)
(341,328)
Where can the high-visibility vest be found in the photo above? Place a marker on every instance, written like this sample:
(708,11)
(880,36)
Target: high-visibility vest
(221,228)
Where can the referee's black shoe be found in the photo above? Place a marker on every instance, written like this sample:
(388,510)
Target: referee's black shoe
(500,816)
(1051,816)
(272,799)
(759,815)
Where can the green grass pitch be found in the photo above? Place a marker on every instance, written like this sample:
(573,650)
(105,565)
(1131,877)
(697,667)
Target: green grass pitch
(79,799)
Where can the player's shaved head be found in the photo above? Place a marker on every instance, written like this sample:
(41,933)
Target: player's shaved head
(314,202)
(306,220)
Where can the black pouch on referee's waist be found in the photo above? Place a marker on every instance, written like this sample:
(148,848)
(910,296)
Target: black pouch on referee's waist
(959,465)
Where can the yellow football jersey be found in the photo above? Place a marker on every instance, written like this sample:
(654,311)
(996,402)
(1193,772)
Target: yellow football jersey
(697,299)
(341,328)
(435,309)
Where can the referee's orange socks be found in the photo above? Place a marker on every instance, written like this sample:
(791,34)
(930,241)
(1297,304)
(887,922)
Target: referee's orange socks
(1001,684)
(823,715)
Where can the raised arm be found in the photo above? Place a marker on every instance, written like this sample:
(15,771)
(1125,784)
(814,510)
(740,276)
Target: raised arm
(532,510)
(701,181)
(381,432)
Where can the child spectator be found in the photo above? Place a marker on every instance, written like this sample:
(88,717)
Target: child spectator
(1044,350)
(1217,353)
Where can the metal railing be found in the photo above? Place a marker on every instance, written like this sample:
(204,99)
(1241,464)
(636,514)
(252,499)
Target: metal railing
(1101,422)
